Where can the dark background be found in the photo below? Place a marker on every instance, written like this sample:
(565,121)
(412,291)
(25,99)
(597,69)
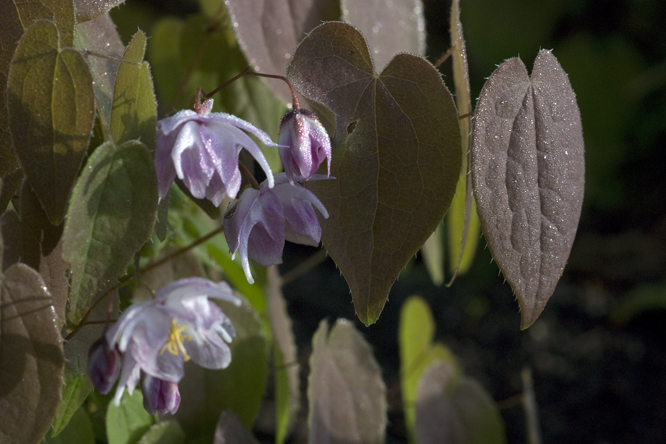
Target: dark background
(598,351)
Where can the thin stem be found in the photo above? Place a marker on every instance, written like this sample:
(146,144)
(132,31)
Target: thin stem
(273,76)
(87,52)
(227,83)
(444,57)
(245,172)
(466,115)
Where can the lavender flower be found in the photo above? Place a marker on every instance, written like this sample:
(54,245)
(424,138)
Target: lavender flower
(202,150)
(156,338)
(303,144)
(257,224)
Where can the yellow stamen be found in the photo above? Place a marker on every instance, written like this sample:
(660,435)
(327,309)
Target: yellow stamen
(175,342)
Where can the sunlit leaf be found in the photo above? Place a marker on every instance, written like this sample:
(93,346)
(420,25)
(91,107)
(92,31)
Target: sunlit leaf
(89,9)
(268,32)
(16,17)
(389,27)
(167,432)
(240,387)
(134,112)
(455,412)
(396,157)
(529,175)
(229,430)
(78,431)
(127,423)
(346,392)
(111,215)
(31,357)
(417,352)
(287,389)
(99,36)
(462,220)
(432,252)
(51,105)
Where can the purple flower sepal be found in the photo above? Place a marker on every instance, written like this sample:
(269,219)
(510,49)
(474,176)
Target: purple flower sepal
(160,396)
(202,150)
(157,337)
(103,365)
(258,223)
(303,144)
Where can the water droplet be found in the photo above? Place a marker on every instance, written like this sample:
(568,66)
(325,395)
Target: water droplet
(375,29)
(287,55)
(278,31)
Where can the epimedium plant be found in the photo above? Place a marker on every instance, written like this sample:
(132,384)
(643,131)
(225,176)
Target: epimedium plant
(113,263)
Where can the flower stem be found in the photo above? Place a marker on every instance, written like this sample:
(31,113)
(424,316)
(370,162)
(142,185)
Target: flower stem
(245,172)
(273,76)
(227,83)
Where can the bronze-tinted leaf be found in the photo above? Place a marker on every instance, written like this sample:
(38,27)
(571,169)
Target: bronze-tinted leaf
(529,174)
(16,17)
(388,26)
(346,392)
(455,412)
(31,357)
(396,157)
(51,107)
(268,32)
(89,9)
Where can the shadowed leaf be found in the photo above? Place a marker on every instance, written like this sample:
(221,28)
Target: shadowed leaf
(38,236)
(529,175)
(51,106)
(134,111)
(396,157)
(167,432)
(100,36)
(17,16)
(89,9)
(9,185)
(112,213)
(268,32)
(229,430)
(417,352)
(31,357)
(455,412)
(389,27)
(126,423)
(78,431)
(10,226)
(346,392)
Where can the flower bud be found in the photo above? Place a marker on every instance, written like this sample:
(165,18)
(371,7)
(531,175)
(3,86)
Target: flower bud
(103,365)
(303,144)
(160,396)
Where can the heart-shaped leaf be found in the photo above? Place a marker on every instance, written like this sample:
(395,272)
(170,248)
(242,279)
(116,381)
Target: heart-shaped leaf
(268,32)
(31,357)
(346,392)
(17,16)
(126,423)
(388,28)
(112,213)
(396,157)
(528,168)
(51,106)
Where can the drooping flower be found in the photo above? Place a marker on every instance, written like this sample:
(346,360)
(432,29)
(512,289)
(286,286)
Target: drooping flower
(103,365)
(155,338)
(303,144)
(202,150)
(257,224)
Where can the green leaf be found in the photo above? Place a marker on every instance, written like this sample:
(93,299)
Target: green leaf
(31,357)
(38,236)
(51,105)
(234,272)
(432,252)
(87,10)
(346,392)
(10,224)
(111,215)
(388,30)
(455,412)
(100,36)
(168,432)
(18,16)
(134,112)
(417,352)
(463,226)
(126,423)
(528,167)
(78,431)
(9,185)
(396,157)
(205,394)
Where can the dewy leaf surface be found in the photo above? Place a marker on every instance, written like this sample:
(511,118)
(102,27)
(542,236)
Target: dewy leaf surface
(455,412)
(89,9)
(528,168)
(396,169)
(269,31)
(18,15)
(51,106)
(388,26)
(346,391)
(112,213)
(134,111)
(31,357)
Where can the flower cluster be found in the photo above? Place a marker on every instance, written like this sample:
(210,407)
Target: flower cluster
(152,340)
